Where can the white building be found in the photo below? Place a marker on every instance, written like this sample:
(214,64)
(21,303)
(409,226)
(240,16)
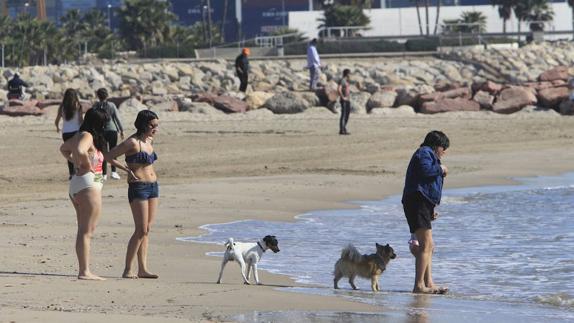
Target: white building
(403,21)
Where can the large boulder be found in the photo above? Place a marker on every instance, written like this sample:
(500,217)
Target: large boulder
(170,106)
(556,73)
(552,97)
(513,99)
(449,105)
(17,108)
(257,99)
(328,94)
(225,103)
(286,103)
(359,102)
(381,99)
(484,99)
(463,92)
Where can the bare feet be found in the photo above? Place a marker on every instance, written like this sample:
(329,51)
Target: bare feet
(90,276)
(430,290)
(129,275)
(145,274)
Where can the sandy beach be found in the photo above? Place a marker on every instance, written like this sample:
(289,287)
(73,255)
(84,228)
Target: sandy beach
(223,168)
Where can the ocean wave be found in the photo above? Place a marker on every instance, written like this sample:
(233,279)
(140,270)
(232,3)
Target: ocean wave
(560,300)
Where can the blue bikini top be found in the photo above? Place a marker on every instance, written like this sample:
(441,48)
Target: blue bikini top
(141,157)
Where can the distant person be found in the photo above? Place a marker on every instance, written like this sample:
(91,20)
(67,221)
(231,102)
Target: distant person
(313,64)
(71,112)
(242,68)
(143,189)
(16,88)
(345,95)
(113,126)
(85,150)
(421,194)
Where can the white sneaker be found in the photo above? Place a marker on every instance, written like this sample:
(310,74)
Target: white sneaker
(105,177)
(115,175)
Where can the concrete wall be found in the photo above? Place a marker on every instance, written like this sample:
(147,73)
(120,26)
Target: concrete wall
(403,21)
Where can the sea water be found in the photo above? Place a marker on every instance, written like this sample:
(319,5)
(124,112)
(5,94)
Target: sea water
(505,252)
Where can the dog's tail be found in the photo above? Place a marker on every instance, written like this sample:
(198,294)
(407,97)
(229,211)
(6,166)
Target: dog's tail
(350,253)
(229,244)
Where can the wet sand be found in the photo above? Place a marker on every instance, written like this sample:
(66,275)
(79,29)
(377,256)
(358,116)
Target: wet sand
(227,168)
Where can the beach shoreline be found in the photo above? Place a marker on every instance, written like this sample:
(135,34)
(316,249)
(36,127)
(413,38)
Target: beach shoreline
(239,171)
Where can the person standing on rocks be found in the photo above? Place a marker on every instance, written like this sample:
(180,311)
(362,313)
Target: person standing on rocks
(113,126)
(313,64)
(345,99)
(242,69)
(71,111)
(421,194)
(16,88)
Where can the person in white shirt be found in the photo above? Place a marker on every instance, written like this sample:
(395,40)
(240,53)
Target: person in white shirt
(313,64)
(71,112)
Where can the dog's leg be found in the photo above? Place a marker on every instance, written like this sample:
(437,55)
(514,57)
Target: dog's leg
(352,282)
(248,275)
(255,274)
(223,263)
(338,276)
(375,283)
(243,269)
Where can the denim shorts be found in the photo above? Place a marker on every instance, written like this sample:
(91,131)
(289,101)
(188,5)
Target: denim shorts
(143,191)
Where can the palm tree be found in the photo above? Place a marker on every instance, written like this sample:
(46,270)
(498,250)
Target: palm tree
(437,16)
(535,11)
(473,22)
(504,10)
(224,20)
(417,4)
(145,23)
(344,16)
(540,12)
(571,4)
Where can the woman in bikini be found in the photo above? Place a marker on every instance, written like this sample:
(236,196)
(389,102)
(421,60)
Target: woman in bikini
(143,191)
(84,150)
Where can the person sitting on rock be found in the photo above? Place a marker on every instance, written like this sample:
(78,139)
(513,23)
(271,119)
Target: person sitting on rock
(16,88)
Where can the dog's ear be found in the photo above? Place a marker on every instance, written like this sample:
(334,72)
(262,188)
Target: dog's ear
(377,245)
(387,246)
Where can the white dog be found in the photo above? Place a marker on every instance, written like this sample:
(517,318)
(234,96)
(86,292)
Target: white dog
(247,254)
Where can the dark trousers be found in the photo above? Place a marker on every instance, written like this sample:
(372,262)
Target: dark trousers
(243,78)
(112,139)
(66,136)
(345,112)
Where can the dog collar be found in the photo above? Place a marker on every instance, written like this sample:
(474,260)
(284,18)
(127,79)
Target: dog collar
(260,246)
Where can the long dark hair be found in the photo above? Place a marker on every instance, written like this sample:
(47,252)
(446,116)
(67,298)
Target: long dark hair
(143,119)
(436,139)
(94,122)
(102,94)
(71,104)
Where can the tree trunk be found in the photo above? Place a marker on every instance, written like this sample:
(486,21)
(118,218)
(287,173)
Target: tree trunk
(504,25)
(519,30)
(419,17)
(224,21)
(427,16)
(436,22)
(573,20)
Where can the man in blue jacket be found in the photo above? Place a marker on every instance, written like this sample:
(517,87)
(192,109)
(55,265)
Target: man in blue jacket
(422,193)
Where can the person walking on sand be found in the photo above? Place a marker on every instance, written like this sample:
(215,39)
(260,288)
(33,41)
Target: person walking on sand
(113,126)
(345,95)
(313,64)
(421,194)
(143,191)
(242,69)
(71,112)
(84,150)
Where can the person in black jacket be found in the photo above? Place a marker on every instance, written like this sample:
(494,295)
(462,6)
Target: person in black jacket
(242,68)
(16,88)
